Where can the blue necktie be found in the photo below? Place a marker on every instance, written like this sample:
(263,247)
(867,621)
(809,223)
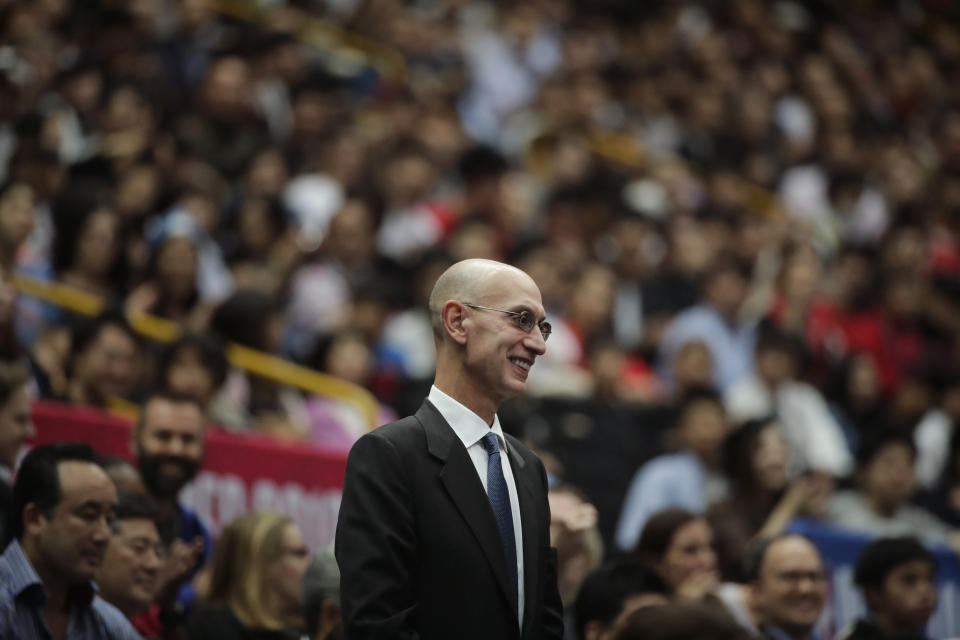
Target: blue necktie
(500,501)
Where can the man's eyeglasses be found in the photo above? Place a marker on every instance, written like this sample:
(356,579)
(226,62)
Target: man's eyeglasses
(525,320)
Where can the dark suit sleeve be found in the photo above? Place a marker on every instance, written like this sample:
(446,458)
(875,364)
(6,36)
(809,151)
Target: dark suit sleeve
(552,615)
(376,544)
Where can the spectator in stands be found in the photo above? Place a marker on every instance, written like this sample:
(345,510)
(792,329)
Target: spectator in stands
(86,249)
(678,545)
(104,362)
(171,280)
(880,503)
(896,576)
(18,203)
(789,586)
(763,500)
(678,621)
(63,502)
(129,577)
(194,365)
(255,587)
(15,428)
(336,424)
(774,389)
(730,340)
(168,442)
(254,320)
(690,479)
(321,597)
(609,592)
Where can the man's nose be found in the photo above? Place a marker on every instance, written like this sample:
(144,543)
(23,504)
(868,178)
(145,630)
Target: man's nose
(535,341)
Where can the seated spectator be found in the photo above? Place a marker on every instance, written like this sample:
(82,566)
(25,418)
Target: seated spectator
(689,479)
(896,576)
(171,287)
(63,503)
(15,428)
(610,591)
(129,577)
(678,545)
(763,501)
(86,247)
(256,582)
(18,202)
(321,597)
(678,621)
(575,536)
(716,322)
(103,362)
(254,320)
(774,389)
(336,424)
(195,365)
(879,505)
(789,586)
(168,442)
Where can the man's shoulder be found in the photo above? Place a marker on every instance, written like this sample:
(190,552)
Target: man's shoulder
(116,624)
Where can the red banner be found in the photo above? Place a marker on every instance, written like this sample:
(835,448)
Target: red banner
(240,472)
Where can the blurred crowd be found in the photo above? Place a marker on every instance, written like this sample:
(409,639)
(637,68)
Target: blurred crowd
(745,213)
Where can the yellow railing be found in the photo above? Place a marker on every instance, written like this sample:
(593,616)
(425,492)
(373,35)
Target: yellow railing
(255,362)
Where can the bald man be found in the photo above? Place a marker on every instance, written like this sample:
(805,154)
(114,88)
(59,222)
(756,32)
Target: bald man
(444,528)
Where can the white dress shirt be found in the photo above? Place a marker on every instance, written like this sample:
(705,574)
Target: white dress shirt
(470,429)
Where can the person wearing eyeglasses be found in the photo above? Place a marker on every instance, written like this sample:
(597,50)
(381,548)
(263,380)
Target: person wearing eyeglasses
(130,576)
(444,528)
(788,586)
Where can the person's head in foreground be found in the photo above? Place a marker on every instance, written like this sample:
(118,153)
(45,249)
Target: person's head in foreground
(897,576)
(258,570)
(679,621)
(789,585)
(612,591)
(129,576)
(678,545)
(489,327)
(63,504)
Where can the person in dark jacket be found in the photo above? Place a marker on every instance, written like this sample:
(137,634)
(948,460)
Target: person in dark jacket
(897,578)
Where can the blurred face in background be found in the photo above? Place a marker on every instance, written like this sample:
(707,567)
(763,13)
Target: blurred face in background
(690,552)
(107,368)
(284,576)
(129,577)
(771,459)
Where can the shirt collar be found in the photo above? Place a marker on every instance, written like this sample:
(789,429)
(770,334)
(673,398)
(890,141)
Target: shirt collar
(468,426)
(24,577)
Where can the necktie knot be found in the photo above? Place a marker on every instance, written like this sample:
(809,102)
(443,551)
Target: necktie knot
(490,443)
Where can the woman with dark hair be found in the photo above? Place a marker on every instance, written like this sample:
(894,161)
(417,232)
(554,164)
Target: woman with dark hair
(195,365)
(86,245)
(678,545)
(171,285)
(255,320)
(762,500)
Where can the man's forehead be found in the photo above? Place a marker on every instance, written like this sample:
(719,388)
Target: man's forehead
(178,416)
(793,553)
(81,480)
(140,527)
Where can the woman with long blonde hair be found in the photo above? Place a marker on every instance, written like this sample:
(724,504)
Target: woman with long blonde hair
(255,583)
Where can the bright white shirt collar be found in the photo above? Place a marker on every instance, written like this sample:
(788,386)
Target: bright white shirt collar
(468,426)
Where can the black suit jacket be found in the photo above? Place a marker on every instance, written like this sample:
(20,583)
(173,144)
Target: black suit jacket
(418,547)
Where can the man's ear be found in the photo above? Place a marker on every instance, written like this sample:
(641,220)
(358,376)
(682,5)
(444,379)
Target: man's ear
(33,520)
(454,315)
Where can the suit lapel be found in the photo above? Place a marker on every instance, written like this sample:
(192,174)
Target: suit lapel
(459,478)
(529,523)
